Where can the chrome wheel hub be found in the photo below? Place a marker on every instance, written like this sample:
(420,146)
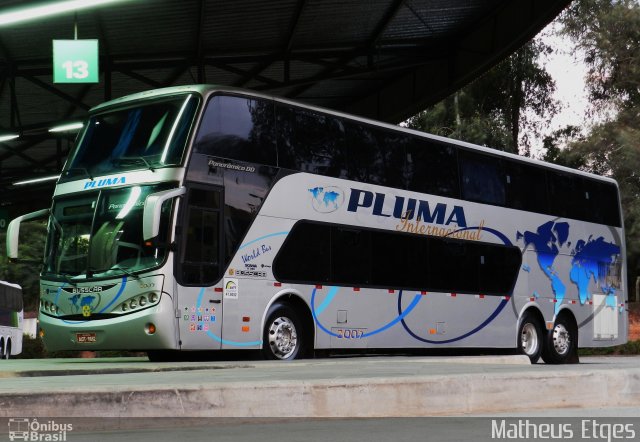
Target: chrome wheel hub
(283,337)
(561,339)
(529,339)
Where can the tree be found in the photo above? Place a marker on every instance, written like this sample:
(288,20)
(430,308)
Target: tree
(608,31)
(502,109)
(26,272)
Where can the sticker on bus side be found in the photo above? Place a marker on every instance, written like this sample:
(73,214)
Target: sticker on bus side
(230,288)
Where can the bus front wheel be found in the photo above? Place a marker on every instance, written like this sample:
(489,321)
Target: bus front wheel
(7,351)
(561,344)
(530,337)
(283,338)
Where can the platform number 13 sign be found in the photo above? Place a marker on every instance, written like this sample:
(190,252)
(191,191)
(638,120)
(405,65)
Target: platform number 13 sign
(75,61)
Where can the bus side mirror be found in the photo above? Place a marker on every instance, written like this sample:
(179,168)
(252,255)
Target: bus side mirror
(153,209)
(13,231)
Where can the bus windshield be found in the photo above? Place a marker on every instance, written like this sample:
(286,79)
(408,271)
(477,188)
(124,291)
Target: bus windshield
(99,234)
(147,136)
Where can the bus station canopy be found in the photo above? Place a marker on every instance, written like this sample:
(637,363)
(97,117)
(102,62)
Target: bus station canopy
(382,59)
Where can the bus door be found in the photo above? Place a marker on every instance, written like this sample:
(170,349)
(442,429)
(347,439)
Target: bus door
(198,268)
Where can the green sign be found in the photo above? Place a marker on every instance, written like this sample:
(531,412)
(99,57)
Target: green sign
(75,61)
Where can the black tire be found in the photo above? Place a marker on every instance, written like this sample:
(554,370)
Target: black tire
(7,351)
(2,349)
(530,337)
(283,336)
(561,342)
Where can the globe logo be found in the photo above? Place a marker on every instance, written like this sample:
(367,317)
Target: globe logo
(326,199)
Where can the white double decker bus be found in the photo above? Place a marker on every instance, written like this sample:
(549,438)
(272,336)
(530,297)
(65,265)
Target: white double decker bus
(202,218)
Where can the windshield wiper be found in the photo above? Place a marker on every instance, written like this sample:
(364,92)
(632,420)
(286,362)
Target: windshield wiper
(81,169)
(124,161)
(68,279)
(124,270)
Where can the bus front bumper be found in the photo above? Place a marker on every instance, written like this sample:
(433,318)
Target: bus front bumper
(133,332)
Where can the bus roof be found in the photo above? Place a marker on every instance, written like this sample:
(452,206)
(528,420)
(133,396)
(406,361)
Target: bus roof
(207,89)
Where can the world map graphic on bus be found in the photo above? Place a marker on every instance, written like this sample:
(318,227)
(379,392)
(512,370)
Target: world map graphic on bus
(591,259)
(326,199)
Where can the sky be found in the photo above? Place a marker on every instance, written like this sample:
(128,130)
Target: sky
(567,68)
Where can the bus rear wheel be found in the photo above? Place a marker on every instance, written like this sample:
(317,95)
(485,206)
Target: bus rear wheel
(7,351)
(283,338)
(561,343)
(530,337)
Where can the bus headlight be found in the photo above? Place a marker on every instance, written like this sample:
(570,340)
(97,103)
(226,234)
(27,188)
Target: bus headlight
(139,302)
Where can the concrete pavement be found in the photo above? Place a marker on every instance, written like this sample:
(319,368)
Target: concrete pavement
(334,387)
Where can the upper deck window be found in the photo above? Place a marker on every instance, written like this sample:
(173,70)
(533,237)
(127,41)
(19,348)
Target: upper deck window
(145,136)
(238,128)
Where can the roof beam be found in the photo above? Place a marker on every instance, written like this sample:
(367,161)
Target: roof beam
(175,74)
(139,77)
(260,67)
(23,147)
(47,87)
(79,98)
(202,78)
(248,75)
(375,35)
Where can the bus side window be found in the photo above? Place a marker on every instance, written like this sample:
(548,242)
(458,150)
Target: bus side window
(351,256)
(432,168)
(310,142)
(483,178)
(200,263)
(602,200)
(305,255)
(526,187)
(567,196)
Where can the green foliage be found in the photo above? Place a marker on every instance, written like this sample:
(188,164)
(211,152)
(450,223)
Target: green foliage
(609,32)
(630,348)
(554,147)
(26,272)
(501,109)
(613,149)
